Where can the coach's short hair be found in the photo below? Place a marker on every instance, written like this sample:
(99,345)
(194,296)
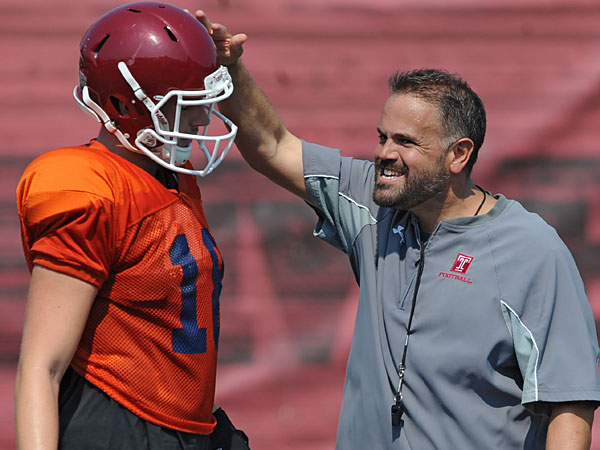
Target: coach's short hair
(461,111)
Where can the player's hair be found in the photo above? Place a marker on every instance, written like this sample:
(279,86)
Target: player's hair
(461,111)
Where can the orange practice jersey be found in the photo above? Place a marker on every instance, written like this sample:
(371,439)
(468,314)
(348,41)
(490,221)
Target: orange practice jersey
(151,338)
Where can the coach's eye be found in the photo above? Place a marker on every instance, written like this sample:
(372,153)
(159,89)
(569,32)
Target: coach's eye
(403,141)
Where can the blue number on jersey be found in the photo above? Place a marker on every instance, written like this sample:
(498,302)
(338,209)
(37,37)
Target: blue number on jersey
(217,276)
(191,339)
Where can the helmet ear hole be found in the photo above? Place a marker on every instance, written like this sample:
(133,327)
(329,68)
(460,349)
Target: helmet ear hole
(120,106)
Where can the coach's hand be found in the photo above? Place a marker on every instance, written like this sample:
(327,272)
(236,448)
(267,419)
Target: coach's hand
(229,47)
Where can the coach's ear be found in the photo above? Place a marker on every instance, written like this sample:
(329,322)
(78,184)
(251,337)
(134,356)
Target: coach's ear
(459,154)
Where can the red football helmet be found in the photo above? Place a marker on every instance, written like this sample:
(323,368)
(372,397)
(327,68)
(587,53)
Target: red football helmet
(142,55)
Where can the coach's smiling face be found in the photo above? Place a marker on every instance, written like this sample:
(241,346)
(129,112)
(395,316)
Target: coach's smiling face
(410,161)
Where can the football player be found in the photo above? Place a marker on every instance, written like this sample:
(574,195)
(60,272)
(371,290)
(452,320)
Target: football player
(121,329)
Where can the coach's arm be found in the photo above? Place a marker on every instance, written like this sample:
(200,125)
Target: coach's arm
(262,138)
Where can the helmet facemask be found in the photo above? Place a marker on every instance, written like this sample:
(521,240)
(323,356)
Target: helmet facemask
(162,141)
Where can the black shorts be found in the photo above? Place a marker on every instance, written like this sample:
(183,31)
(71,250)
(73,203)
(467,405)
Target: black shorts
(91,420)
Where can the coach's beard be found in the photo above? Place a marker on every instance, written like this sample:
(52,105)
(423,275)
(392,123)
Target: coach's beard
(418,188)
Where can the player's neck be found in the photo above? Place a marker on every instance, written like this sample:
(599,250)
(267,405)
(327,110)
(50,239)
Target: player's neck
(113,144)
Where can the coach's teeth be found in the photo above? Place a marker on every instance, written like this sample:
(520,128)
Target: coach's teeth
(391,172)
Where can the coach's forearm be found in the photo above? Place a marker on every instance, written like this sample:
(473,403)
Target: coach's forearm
(260,128)
(262,137)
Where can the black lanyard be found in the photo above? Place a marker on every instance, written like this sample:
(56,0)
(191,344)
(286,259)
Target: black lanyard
(398,407)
